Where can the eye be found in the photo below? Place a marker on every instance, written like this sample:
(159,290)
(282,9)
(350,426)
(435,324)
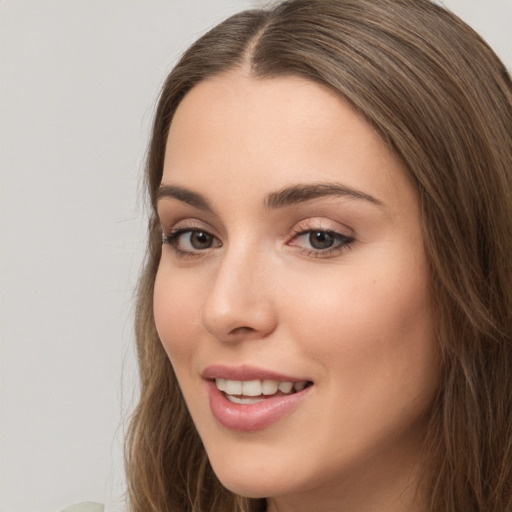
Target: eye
(321,243)
(187,241)
(321,240)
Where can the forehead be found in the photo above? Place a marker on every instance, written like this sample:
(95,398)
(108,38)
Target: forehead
(271,133)
(234,105)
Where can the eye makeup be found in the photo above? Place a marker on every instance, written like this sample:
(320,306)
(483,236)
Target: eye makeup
(309,238)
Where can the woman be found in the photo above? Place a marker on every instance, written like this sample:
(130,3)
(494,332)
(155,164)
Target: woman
(324,318)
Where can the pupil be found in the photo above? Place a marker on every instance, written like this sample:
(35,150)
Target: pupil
(200,240)
(321,239)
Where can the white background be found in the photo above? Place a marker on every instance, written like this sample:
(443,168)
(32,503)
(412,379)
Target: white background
(78,83)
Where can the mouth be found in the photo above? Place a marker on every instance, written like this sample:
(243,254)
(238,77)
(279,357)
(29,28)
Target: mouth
(247,399)
(256,391)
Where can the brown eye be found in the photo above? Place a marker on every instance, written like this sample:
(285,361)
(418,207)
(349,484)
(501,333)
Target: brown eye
(201,240)
(191,241)
(321,243)
(321,239)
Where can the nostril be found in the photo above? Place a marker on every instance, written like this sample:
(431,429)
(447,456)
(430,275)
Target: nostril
(241,330)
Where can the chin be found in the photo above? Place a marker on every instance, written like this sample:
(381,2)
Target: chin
(251,486)
(252,476)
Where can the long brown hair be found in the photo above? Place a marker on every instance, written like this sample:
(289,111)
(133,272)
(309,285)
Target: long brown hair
(442,101)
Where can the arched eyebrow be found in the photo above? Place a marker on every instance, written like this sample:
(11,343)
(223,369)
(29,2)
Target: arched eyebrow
(287,196)
(184,195)
(306,192)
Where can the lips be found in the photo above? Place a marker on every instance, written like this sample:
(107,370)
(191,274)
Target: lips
(246,398)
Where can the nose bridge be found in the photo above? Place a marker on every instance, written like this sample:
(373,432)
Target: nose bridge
(238,303)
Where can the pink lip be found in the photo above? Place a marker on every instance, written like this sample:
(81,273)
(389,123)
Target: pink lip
(245,372)
(249,417)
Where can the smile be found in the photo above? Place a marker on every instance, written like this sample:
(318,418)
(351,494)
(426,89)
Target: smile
(255,391)
(247,399)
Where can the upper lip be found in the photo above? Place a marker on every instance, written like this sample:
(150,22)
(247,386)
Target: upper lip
(245,372)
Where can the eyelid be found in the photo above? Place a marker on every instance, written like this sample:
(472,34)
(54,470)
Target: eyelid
(343,241)
(170,226)
(172,219)
(321,224)
(180,228)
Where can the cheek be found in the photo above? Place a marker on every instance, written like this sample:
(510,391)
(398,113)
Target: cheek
(368,330)
(379,370)
(177,313)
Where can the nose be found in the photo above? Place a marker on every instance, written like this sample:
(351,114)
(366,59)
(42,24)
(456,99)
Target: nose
(239,304)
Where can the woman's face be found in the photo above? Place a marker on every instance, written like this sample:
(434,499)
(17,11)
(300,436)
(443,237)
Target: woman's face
(292,295)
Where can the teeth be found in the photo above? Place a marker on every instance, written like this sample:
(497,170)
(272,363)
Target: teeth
(238,400)
(299,386)
(252,388)
(270,387)
(285,387)
(233,387)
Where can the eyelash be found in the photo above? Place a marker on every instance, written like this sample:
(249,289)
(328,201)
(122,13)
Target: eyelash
(341,242)
(173,239)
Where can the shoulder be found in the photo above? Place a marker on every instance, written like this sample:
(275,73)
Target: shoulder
(88,506)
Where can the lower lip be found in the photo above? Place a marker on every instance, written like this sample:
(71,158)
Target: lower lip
(251,417)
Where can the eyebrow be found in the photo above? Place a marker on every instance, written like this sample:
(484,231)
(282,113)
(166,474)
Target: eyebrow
(302,193)
(287,196)
(185,195)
